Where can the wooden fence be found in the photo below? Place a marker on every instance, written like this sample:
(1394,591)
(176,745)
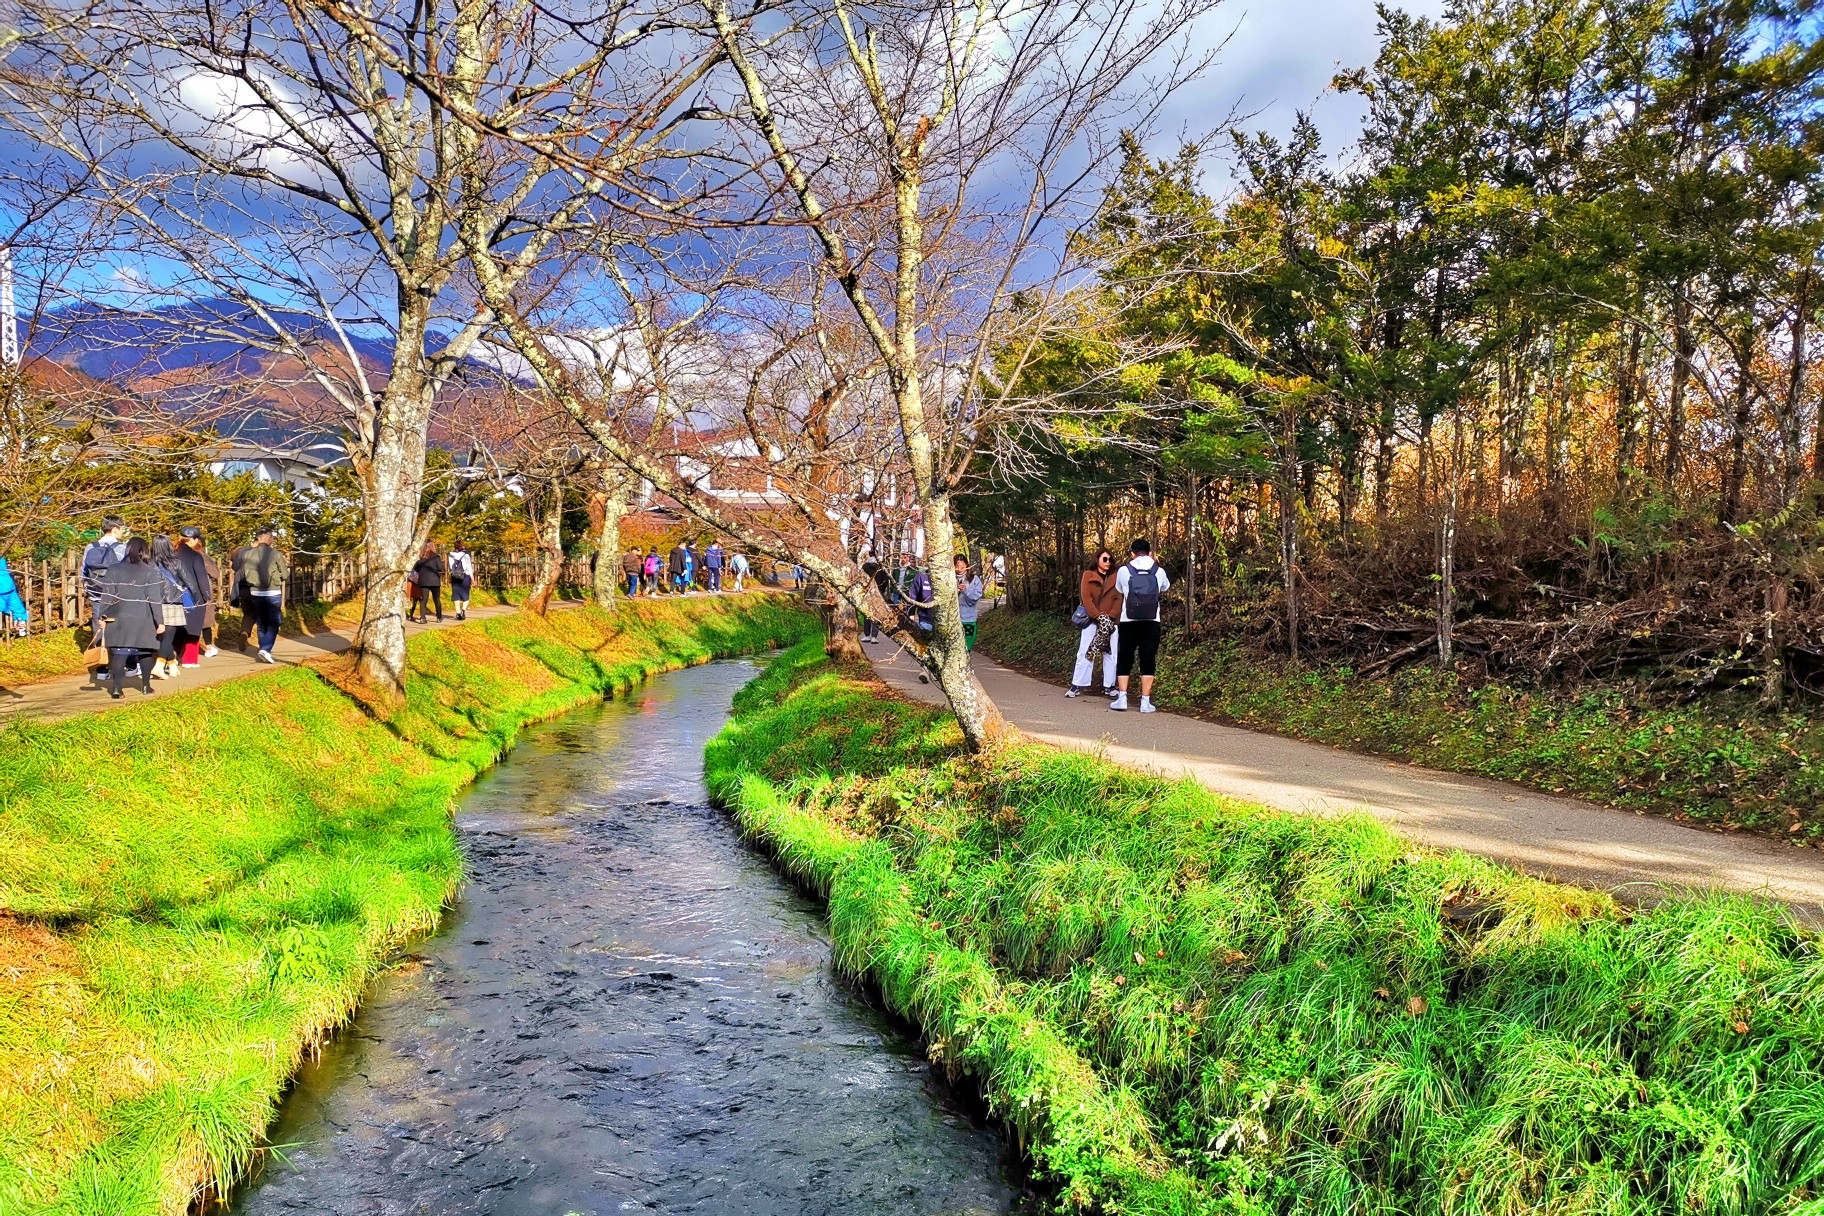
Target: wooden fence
(56,598)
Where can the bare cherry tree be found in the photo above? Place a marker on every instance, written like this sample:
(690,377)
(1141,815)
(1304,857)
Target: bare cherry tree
(275,163)
(933,161)
(942,156)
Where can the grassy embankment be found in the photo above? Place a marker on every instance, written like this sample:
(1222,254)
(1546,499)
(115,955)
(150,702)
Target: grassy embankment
(196,888)
(1188,1004)
(1720,761)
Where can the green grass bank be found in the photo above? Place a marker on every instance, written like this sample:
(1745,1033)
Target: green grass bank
(196,888)
(1721,761)
(1188,1004)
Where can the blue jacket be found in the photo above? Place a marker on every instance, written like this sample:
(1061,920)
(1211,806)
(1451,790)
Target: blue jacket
(712,558)
(920,593)
(11,602)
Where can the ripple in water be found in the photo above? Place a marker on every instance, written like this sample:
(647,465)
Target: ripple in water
(628,1011)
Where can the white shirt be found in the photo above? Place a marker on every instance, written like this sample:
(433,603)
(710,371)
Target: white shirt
(1140,563)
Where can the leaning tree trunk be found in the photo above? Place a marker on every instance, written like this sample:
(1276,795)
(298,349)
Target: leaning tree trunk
(949,653)
(392,482)
(548,523)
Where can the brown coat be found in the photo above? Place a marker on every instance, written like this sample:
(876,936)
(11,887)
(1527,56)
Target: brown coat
(1099,595)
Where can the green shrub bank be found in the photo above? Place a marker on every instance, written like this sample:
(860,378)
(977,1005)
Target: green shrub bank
(1188,1004)
(196,887)
(1721,762)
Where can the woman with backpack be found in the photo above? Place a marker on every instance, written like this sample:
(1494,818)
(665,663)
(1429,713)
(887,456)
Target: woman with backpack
(164,561)
(462,578)
(1141,582)
(1098,609)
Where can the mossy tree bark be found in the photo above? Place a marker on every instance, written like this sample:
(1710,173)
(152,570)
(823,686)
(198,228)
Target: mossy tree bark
(546,505)
(608,506)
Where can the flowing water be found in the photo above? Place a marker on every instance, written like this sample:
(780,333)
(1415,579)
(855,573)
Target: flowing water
(628,1011)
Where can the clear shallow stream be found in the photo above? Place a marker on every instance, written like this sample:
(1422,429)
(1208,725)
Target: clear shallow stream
(628,1011)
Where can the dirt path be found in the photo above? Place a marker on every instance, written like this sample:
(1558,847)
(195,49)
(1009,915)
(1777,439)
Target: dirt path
(1638,857)
(48,700)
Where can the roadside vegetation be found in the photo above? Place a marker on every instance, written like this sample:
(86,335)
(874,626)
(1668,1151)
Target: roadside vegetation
(198,888)
(1183,1003)
(1721,762)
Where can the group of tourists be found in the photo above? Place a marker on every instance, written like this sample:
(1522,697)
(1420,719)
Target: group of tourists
(684,570)
(1118,613)
(153,602)
(909,592)
(425,581)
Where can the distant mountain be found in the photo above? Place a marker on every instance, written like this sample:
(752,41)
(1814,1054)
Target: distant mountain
(216,359)
(109,343)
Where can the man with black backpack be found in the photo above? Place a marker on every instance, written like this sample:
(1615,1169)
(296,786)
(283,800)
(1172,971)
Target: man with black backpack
(1141,582)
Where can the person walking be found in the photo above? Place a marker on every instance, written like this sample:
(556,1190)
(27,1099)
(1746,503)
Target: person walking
(712,566)
(132,595)
(690,567)
(108,549)
(1098,604)
(462,579)
(212,570)
(1141,582)
(632,566)
(198,598)
(262,572)
(655,572)
(14,611)
(875,573)
(429,570)
(237,598)
(674,566)
(738,565)
(969,591)
(164,560)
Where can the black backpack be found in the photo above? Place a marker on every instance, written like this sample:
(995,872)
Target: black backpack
(1142,593)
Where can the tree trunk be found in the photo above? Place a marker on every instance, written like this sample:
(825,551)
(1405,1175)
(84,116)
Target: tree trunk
(610,507)
(546,505)
(392,482)
(1773,645)
(841,632)
(1627,413)
(1447,547)
(1288,525)
(1736,476)
(1684,347)
(949,658)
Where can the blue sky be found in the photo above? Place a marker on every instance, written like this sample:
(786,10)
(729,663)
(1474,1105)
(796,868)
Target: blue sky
(1280,60)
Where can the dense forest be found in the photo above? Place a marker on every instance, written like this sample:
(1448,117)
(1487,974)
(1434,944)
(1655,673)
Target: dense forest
(1527,381)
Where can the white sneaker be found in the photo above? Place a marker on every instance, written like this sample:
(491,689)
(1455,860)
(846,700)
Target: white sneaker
(209,652)
(1074,691)
(159,672)
(265,656)
(1119,704)
(1146,706)
(1111,692)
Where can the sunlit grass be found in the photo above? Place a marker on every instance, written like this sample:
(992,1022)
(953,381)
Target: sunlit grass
(1298,1014)
(196,888)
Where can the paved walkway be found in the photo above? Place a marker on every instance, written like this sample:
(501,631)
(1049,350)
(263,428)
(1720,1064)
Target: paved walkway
(1637,856)
(48,700)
